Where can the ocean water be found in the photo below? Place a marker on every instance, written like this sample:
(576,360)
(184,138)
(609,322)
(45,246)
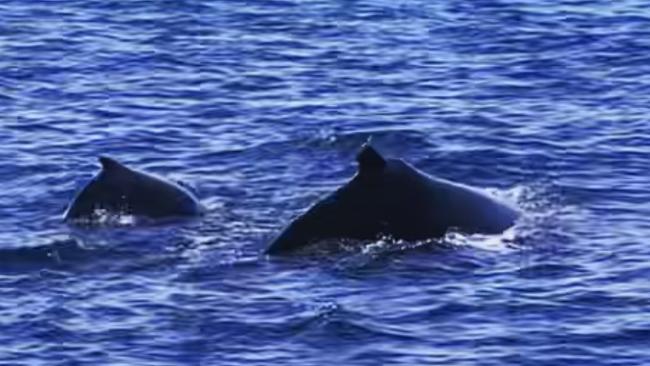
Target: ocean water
(261,106)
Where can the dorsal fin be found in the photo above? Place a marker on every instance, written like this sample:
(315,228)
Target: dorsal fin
(369,159)
(109,164)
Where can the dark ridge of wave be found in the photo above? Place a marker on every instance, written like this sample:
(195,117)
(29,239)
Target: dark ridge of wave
(59,254)
(333,323)
(550,270)
(103,249)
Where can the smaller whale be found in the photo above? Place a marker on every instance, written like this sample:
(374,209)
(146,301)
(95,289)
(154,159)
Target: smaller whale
(120,190)
(389,197)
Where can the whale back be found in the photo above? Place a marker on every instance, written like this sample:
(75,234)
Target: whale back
(122,190)
(391,197)
(366,207)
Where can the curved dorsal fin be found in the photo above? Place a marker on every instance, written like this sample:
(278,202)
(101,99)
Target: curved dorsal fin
(109,164)
(369,159)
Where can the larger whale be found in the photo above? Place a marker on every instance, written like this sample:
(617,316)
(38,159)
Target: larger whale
(118,189)
(390,197)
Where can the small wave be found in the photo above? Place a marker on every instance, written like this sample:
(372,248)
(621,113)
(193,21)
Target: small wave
(59,253)
(550,270)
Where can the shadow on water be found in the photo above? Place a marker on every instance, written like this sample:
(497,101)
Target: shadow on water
(101,249)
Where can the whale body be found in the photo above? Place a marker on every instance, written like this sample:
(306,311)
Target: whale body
(117,189)
(389,197)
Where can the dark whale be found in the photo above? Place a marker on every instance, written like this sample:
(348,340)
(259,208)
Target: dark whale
(117,189)
(391,197)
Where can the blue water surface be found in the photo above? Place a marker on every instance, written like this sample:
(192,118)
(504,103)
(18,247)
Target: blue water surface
(262,106)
